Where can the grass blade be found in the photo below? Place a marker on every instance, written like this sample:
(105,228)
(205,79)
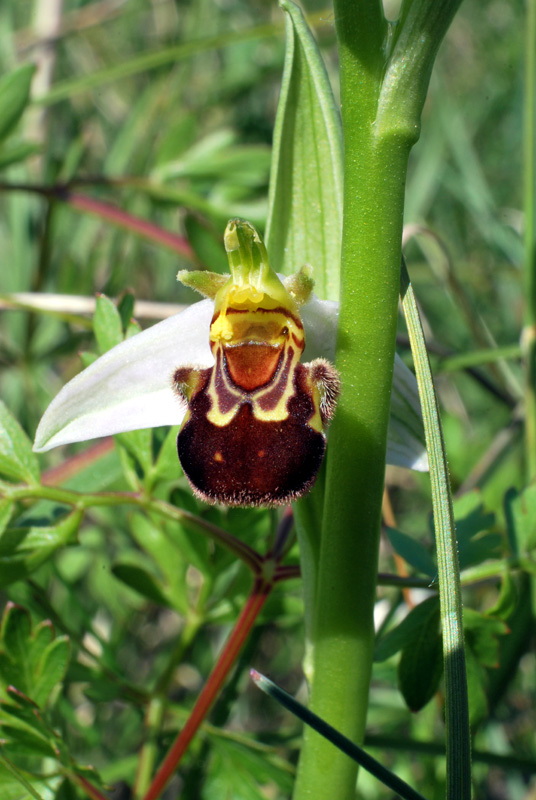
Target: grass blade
(356,753)
(456,702)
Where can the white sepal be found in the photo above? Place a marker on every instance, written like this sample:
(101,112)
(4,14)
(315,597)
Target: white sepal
(129,387)
(405,439)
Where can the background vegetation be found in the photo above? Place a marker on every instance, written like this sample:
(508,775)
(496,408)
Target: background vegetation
(166,109)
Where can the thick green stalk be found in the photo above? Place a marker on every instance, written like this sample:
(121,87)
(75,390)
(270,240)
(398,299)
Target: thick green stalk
(342,632)
(380,125)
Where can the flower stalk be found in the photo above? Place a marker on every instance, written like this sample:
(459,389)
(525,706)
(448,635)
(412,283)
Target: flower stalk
(381,107)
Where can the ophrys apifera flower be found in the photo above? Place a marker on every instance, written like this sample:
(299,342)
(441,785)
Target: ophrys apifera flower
(229,369)
(254,430)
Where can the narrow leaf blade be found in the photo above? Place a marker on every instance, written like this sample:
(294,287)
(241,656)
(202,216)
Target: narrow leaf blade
(14,97)
(456,696)
(306,164)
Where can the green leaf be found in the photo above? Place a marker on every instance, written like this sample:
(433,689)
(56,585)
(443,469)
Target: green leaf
(87,358)
(482,653)
(14,152)
(167,464)
(521,516)
(167,555)
(51,668)
(407,632)
(125,307)
(421,664)
(14,97)
(481,632)
(26,730)
(153,59)
(242,773)
(475,544)
(305,200)
(107,324)
(132,329)
(138,444)
(507,599)
(16,784)
(23,742)
(22,550)
(476,678)
(17,460)
(479,548)
(6,510)
(412,552)
(34,661)
(141,581)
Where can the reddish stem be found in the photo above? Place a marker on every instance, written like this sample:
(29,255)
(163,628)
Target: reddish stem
(72,466)
(107,211)
(228,656)
(129,222)
(88,788)
(285,573)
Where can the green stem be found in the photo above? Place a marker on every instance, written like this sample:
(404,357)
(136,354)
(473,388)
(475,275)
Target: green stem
(342,626)
(529,333)
(154,716)
(382,94)
(83,501)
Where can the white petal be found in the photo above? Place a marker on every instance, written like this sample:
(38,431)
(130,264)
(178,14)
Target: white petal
(129,387)
(320,318)
(405,439)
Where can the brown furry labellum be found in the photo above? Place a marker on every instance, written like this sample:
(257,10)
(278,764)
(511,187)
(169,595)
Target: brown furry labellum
(254,430)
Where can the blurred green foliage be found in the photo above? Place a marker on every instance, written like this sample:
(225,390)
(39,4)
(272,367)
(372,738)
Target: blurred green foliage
(110,610)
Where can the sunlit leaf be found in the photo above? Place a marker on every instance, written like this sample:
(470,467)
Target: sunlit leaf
(107,324)
(32,660)
(17,461)
(22,550)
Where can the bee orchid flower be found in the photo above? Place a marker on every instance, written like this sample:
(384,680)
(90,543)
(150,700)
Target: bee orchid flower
(228,370)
